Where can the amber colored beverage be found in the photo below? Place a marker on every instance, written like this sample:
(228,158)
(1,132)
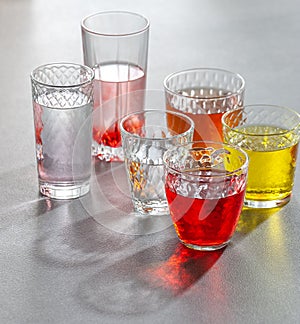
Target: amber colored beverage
(207,116)
(207,126)
(204,222)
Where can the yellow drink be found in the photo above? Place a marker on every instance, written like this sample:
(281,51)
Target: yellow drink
(272,155)
(271,174)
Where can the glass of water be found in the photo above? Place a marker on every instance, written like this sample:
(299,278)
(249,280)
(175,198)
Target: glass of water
(146,135)
(62,95)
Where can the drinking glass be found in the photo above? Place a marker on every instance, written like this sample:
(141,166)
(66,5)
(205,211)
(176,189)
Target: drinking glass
(146,135)
(62,95)
(270,135)
(205,185)
(204,94)
(115,45)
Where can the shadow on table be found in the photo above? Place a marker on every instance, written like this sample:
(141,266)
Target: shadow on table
(20,199)
(69,237)
(109,203)
(147,280)
(80,244)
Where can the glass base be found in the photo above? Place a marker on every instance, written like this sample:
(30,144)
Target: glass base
(267,203)
(63,190)
(108,153)
(205,247)
(151,207)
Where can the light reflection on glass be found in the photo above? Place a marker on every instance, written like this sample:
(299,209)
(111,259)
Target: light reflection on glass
(274,255)
(279,257)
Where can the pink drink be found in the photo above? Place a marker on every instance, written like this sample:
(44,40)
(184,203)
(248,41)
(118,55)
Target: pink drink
(115,95)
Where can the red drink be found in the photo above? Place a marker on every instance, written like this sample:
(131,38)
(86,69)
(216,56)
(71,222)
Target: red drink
(115,95)
(204,222)
(205,186)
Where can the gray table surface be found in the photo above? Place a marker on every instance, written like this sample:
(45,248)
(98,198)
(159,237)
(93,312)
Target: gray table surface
(68,262)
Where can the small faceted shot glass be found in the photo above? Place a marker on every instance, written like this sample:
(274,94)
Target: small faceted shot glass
(62,95)
(146,135)
(205,184)
(269,134)
(204,94)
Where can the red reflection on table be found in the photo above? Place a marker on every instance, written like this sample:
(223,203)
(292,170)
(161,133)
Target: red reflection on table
(183,268)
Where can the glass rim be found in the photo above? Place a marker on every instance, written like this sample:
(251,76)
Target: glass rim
(116,12)
(89,70)
(237,131)
(174,92)
(242,168)
(163,112)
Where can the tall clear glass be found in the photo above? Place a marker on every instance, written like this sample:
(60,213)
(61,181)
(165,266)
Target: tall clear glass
(62,95)
(115,45)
